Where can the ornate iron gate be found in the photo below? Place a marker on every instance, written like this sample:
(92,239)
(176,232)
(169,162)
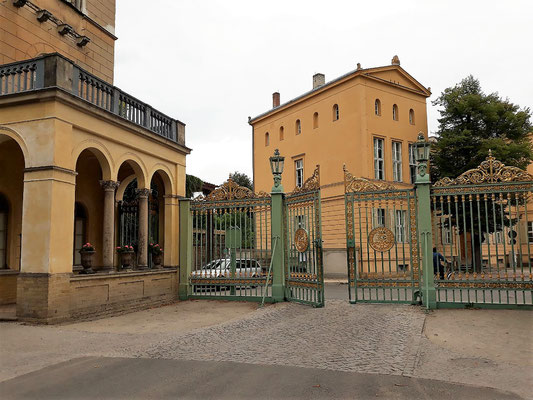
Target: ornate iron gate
(304,272)
(483,229)
(231,244)
(382,244)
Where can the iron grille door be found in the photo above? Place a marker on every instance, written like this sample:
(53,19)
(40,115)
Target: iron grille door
(304,274)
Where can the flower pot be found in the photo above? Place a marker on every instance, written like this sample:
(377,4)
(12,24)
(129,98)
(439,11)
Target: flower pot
(126,259)
(157,259)
(87,261)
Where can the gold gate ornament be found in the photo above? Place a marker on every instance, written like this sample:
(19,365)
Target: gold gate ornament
(301,240)
(381,239)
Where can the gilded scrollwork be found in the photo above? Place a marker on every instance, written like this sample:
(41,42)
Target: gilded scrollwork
(489,171)
(230,190)
(356,184)
(311,184)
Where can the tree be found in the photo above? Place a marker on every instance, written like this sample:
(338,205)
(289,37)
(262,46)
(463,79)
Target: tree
(472,122)
(192,184)
(242,179)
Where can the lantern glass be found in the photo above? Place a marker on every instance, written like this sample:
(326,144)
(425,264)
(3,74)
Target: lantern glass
(277,163)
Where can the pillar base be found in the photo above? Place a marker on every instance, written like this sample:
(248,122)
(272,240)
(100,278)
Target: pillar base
(43,298)
(429,298)
(278,293)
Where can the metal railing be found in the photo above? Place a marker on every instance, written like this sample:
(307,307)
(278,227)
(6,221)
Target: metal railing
(54,70)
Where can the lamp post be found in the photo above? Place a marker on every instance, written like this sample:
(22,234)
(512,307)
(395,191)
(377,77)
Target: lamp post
(422,157)
(277,163)
(423,194)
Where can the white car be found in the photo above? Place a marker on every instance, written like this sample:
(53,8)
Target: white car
(221,268)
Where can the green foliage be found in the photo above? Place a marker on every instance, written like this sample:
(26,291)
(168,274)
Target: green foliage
(473,122)
(242,179)
(192,184)
(241,220)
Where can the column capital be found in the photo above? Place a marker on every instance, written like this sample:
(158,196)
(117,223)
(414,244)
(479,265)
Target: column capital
(143,193)
(109,186)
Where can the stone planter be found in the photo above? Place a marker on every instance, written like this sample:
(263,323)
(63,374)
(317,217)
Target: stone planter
(87,258)
(157,259)
(126,259)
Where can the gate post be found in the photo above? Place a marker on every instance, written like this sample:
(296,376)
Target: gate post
(278,258)
(423,204)
(185,245)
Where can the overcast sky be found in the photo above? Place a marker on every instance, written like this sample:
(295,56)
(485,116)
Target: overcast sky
(211,64)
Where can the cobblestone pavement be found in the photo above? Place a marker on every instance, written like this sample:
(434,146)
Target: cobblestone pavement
(342,337)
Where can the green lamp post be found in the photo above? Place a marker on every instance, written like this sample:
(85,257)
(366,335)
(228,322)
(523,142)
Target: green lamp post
(277,163)
(422,157)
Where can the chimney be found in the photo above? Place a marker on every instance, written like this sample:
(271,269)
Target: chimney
(275,99)
(318,80)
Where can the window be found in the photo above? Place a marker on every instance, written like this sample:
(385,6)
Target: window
(395,112)
(412,162)
(411,116)
(281,133)
(79,4)
(379,163)
(498,237)
(530,231)
(446,237)
(3,232)
(80,221)
(397,161)
(315,120)
(377,107)
(401,236)
(335,112)
(378,217)
(299,167)
(298,127)
(267,139)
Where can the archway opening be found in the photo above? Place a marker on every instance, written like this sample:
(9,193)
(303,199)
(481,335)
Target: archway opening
(89,207)
(11,203)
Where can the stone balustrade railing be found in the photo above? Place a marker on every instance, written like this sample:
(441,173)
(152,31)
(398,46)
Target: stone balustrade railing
(54,70)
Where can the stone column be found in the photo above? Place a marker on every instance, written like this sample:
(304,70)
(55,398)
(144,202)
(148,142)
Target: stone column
(108,239)
(142,241)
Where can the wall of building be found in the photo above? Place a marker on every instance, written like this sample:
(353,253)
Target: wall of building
(334,143)
(23,37)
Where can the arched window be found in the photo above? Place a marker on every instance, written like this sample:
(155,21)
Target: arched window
(267,139)
(4,211)
(281,133)
(335,112)
(80,231)
(315,120)
(298,127)
(395,112)
(377,107)
(411,116)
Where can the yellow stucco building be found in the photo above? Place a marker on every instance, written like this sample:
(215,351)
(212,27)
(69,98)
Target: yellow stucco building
(80,161)
(367,120)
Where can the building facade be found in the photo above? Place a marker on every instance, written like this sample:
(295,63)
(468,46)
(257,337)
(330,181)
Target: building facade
(366,120)
(81,161)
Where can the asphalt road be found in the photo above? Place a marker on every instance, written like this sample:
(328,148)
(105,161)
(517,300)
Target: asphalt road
(137,378)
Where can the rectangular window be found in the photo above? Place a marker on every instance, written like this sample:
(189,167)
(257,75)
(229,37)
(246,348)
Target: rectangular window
(378,217)
(299,167)
(446,235)
(412,162)
(397,161)
(530,231)
(401,236)
(379,161)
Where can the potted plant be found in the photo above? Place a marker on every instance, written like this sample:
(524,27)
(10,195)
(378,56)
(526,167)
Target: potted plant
(157,254)
(87,253)
(126,255)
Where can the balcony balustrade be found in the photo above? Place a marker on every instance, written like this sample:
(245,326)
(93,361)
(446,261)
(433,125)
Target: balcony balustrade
(54,70)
